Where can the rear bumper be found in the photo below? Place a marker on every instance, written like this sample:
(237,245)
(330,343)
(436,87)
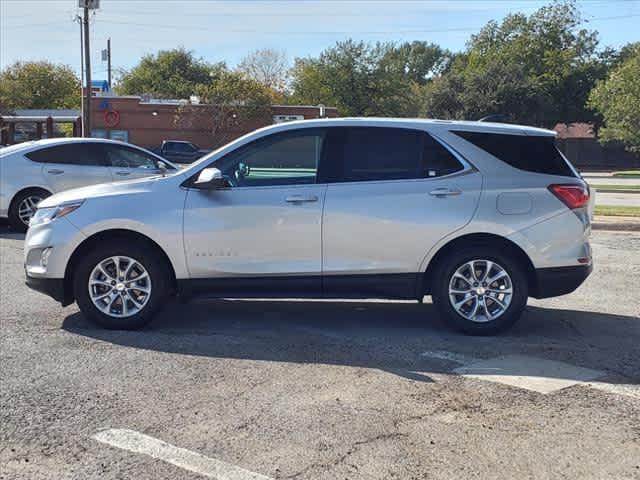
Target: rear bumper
(53,287)
(556,281)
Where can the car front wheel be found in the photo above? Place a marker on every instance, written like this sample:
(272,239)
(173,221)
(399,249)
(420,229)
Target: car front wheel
(121,286)
(24,206)
(480,290)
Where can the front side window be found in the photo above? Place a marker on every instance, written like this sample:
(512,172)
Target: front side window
(180,147)
(287,158)
(358,154)
(186,147)
(87,154)
(124,157)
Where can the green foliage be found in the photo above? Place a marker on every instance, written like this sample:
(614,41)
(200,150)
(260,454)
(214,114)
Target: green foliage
(537,69)
(618,100)
(367,79)
(32,85)
(168,74)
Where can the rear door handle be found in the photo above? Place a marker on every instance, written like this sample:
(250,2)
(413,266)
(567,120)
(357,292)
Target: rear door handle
(122,174)
(55,172)
(444,192)
(301,198)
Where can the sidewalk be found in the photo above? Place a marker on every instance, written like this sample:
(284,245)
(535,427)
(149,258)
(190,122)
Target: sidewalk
(601,222)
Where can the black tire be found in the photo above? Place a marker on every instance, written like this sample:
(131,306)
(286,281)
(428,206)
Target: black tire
(14,218)
(152,262)
(444,272)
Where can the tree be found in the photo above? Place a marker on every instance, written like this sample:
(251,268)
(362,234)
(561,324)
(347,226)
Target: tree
(38,85)
(538,69)
(266,66)
(168,74)
(367,79)
(618,100)
(228,100)
(416,61)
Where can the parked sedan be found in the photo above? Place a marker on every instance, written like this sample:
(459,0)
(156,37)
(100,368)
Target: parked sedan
(32,171)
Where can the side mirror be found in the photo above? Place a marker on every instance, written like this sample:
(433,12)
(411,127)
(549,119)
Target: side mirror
(210,179)
(162,167)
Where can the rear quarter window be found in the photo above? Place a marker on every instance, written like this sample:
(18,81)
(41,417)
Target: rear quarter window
(537,154)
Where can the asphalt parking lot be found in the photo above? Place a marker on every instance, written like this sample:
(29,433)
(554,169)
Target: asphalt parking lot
(239,389)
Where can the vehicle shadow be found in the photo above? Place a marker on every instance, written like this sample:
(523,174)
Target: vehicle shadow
(406,339)
(7,232)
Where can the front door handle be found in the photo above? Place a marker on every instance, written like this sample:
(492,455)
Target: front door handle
(122,174)
(55,172)
(301,198)
(444,192)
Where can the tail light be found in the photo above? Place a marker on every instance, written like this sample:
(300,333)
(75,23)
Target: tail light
(572,195)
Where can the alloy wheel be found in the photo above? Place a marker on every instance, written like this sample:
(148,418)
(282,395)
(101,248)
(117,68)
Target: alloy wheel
(119,286)
(27,208)
(480,290)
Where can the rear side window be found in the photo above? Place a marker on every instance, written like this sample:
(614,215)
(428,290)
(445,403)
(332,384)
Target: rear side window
(87,154)
(536,154)
(358,154)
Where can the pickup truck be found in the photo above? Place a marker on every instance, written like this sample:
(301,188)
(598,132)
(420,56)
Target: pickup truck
(178,151)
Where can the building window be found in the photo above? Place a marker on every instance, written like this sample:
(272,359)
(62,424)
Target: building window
(99,133)
(121,135)
(286,118)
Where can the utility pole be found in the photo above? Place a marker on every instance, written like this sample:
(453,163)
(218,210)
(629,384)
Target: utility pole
(86,120)
(79,20)
(109,62)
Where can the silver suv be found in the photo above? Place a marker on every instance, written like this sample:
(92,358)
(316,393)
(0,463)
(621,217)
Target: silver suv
(480,216)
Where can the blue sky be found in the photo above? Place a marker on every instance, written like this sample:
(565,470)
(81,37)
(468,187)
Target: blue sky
(226,30)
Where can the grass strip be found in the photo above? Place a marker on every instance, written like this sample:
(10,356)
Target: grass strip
(627,174)
(617,211)
(617,188)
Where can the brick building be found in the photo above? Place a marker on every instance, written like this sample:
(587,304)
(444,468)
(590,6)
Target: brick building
(148,122)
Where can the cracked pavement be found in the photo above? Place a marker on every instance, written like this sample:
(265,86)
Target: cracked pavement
(321,390)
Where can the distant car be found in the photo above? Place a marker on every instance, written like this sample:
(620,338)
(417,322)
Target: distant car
(178,151)
(32,171)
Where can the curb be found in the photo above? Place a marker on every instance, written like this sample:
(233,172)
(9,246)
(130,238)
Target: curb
(619,227)
(604,190)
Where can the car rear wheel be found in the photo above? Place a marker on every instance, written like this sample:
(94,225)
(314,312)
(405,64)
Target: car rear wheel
(121,286)
(480,290)
(24,206)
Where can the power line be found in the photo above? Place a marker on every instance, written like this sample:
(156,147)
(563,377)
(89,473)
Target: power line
(335,32)
(301,32)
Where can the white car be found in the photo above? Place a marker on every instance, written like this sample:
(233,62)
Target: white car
(480,216)
(32,171)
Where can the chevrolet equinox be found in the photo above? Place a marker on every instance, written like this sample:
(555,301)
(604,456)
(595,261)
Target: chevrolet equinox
(479,216)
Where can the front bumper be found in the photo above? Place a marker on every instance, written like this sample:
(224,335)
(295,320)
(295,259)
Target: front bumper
(53,287)
(556,281)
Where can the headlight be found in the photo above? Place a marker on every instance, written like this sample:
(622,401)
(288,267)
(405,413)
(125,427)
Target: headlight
(49,214)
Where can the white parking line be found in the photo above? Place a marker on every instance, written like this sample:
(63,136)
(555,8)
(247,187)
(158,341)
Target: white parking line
(194,462)
(449,356)
(530,373)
